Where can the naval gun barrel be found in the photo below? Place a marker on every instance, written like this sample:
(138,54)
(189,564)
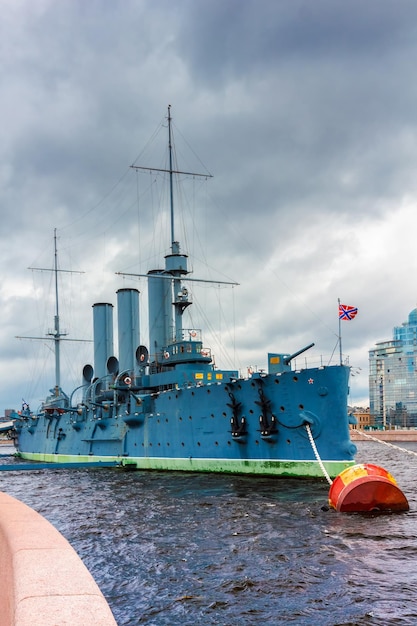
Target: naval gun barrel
(292,356)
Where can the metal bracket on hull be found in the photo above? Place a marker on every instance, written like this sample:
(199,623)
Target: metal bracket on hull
(134,419)
(32,426)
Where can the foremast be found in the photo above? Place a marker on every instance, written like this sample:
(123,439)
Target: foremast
(165,289)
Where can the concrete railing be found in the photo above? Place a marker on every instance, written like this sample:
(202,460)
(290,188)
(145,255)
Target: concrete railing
(43,582)
(383,435)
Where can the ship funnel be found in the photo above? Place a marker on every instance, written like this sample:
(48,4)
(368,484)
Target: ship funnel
(128,327)
(160,313)
(103,337)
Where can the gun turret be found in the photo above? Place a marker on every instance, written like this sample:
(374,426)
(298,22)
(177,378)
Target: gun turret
(288,359)
(278,363)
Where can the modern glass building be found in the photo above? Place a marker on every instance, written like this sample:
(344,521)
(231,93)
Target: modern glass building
(393,377)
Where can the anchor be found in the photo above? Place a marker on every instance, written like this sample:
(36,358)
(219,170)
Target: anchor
(268,426)
(238,425)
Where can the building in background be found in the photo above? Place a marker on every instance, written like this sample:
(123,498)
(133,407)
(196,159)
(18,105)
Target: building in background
(362,417)
(393,378)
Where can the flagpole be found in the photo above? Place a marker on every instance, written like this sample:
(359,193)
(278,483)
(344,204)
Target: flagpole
(340,331)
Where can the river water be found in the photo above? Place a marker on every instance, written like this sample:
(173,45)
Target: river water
(173,548)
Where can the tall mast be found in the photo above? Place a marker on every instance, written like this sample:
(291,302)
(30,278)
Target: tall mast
(171,171)
(168,326)
(56,334)
(171,177)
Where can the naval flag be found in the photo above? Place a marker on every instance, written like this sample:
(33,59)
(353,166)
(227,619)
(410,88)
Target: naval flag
(347,312)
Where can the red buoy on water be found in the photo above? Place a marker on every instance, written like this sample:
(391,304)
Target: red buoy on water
(365,488)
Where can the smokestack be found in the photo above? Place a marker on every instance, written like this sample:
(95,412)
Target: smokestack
(128,327)
(103,337)
(160,305)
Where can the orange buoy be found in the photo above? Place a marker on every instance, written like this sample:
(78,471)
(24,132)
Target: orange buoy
(364,488)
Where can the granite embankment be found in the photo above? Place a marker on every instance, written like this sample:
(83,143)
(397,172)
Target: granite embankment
(43,580)
(384,435)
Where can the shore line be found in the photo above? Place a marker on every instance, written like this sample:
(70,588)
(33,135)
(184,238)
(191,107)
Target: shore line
(384,435)
(44,580)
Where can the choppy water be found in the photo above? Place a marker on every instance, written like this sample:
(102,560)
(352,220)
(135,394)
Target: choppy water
(172,548)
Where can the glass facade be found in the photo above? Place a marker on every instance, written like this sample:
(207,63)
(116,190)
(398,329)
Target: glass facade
(393,377)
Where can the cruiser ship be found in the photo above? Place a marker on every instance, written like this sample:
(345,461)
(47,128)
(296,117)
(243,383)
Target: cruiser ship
(164,405)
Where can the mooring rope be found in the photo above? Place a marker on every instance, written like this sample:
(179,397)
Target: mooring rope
(386,443)
(316,454)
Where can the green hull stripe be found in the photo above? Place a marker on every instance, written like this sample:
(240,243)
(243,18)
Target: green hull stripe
(299,469)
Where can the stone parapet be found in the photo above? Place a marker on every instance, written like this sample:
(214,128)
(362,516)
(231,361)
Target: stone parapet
(43,580)
(383,435)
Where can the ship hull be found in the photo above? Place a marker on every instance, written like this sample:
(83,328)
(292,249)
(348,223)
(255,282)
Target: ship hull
(245,426)
(166,406)
(284,468)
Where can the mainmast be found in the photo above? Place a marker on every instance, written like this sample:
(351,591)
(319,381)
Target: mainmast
(171,179)
(171,171)
(169,327)
(166,324)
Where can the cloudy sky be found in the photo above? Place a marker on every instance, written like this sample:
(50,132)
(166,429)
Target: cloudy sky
(304,112)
